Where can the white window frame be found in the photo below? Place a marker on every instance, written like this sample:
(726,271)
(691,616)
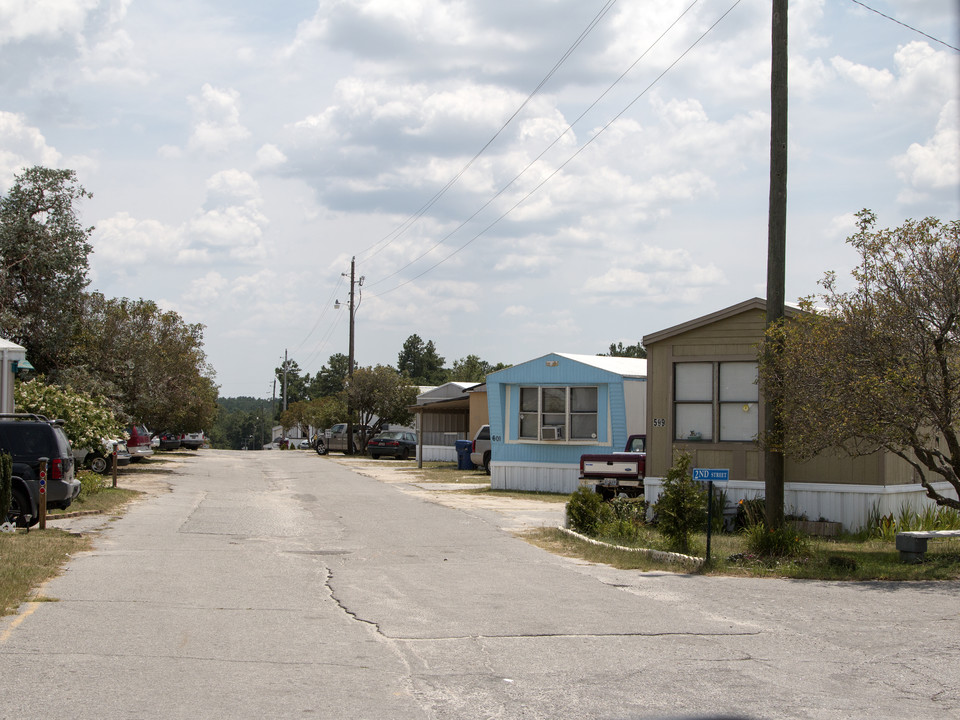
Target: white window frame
(557,419)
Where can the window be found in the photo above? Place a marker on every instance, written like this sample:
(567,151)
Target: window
(558,413)
(716,396)
(739,401)
(693,395)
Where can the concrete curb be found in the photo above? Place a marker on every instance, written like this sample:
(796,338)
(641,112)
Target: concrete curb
(661,555)
(77,513)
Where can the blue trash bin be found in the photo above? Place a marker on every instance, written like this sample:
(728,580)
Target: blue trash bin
(464,447)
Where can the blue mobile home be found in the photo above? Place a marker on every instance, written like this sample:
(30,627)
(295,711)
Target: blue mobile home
(547,412)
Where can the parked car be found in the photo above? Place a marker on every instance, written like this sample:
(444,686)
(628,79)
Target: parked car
(396,443)
(27,438)
(480,452)
(138,443)
(169,441)
(192,441)
(335,439)
(100,459)
(304,444)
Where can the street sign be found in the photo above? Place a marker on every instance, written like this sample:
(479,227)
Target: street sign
(711,474)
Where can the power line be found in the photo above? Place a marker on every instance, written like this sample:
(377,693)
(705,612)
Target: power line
(381,244)
(908,27)
(543,152)
(568,160)
(323,312)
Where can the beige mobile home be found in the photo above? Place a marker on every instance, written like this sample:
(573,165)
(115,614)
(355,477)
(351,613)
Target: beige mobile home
(704,399)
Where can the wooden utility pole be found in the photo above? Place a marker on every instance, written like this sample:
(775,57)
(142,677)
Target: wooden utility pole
(350,448)
(776,256)
(286,364)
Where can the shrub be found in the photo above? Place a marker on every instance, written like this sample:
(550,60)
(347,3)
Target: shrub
(784,542)
(91,483)
(682,505)
(719,505)
(750,511)
(626,517)
(586,511)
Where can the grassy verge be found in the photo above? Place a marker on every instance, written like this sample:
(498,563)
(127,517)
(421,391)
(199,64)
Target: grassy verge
(29,559)
(844,559)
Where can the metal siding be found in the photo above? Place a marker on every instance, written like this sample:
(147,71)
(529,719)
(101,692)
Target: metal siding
(850,505)
(551,465)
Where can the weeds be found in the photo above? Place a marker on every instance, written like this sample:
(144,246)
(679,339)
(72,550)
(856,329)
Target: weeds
(930,517)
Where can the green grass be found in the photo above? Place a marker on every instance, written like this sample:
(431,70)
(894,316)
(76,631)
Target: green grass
(29,559)
(845,559)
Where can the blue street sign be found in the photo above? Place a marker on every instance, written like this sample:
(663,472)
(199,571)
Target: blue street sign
(711,474)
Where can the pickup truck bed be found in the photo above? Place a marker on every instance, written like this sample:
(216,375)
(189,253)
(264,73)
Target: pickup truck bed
(618,473)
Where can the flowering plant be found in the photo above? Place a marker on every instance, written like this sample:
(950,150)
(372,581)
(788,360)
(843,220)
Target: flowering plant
(86,423)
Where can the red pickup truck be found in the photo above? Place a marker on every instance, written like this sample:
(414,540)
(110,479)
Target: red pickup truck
(619,473)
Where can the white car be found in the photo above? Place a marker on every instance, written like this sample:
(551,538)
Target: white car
(192,441)
(480,452)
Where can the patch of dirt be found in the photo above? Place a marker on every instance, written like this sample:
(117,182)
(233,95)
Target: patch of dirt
(513,513)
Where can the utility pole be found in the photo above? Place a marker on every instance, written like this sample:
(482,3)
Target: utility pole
(353,274)
(776,258)
(285,364)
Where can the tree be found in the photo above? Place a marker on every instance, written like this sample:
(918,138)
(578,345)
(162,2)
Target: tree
(420,363)
(879,367)
(329,381)
(43,264)
(632,351)
(325,412)
(472,369)
(238,420)
(379,395)
(297,384)
(151,360)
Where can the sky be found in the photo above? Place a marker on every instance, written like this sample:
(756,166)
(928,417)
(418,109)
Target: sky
(512,178)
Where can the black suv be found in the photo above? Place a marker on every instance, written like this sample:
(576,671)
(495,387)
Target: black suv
(27,438)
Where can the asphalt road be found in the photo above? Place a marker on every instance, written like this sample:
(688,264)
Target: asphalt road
(286,585)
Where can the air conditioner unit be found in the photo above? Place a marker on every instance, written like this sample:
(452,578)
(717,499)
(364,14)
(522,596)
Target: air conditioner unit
(551,432)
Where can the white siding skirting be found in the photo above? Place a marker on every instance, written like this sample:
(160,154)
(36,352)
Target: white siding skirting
(439,453)
(849,505)
(534,477)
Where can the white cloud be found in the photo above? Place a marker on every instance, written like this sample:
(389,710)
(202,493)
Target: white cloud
(231,220)
(43,19)
(22,146)
(656,275)
(123,245)
(270,156)
(923,77)
(934,165)
(112,59)
(218,125)
(206,290)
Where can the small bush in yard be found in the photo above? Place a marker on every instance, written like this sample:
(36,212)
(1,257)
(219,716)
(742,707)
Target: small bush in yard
(91,483)
(785,542)
(681,509)
(627,516)
(586,511)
